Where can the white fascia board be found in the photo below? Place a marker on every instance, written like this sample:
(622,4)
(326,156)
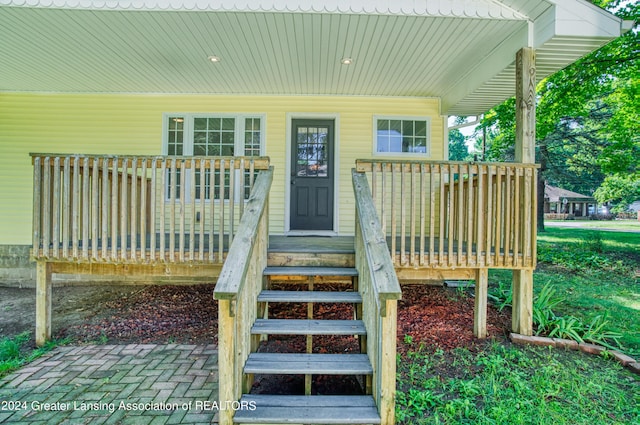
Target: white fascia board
(484,70)
(484,9)
(579,18)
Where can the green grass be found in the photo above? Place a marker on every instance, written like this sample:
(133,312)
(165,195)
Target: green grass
(18,350)
(594,274)
(505,384)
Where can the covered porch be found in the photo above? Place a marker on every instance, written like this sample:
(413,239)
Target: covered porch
(415,221)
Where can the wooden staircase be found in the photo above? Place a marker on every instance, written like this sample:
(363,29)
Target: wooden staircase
(309,408)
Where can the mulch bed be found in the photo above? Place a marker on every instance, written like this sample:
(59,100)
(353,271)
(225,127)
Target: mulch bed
(432,316)
(429,317)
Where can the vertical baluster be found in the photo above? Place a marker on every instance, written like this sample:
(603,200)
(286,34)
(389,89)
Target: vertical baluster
(95,207)
(423,201)
(432,211)
(172,208)
(212,209)
(531,240)
(499,211)
(252,172)
(470,218)
(403,215)
(192,209)
(56,198)
(221,210)
(443,215)
(152,208)
(75,207)
(489,215)
(124,212)
(232,196)
(66,204)
(114,209)
(47,200)
(393,213)
(144,208)
(203,196)
(460,214)
(37,208)
(412,215)
(165,191)
(383,194)
(451,215)
(480,214)
(183,194)
(86,208)
(508,208)
(105,208)
(241,184)
(516,216)
(374,182)
(133,214)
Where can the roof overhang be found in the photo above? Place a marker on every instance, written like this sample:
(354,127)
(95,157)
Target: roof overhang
(461,51)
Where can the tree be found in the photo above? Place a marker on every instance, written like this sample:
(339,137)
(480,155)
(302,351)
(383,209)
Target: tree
(458,150)
(587,131)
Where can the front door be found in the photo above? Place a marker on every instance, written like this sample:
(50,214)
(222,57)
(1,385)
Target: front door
(312,175)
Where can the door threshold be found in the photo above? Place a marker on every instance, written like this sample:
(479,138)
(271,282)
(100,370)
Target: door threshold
(326,233)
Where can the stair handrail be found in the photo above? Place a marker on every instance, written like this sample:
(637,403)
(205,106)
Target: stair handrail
(380,290)
(237,290)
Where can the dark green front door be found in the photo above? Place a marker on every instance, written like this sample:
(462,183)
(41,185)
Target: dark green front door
(312,175)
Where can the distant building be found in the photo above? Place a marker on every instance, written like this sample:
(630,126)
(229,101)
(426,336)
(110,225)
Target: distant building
(562,201)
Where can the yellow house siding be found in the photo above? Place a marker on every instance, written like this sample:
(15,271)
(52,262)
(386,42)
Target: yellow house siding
(132,124)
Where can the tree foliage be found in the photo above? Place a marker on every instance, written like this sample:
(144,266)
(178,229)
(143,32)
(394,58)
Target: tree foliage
(588,120)
(458,150)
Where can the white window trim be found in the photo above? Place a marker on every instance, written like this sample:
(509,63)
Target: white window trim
(374,133)
(187,148)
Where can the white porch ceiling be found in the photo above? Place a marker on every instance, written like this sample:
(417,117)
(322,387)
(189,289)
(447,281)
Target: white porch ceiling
(460,51)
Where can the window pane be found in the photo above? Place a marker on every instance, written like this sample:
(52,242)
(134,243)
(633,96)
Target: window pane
(421,128)
(401,136)
(407,128)
(228,123)
(200,124)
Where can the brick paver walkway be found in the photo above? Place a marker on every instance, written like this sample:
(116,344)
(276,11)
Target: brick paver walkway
(114,384)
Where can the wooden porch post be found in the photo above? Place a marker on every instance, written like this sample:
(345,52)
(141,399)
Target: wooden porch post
(522,284)
(480,307)
(43,302)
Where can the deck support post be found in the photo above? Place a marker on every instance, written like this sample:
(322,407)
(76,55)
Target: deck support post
(480,306)
(522,312)
(43,302)
(522,285)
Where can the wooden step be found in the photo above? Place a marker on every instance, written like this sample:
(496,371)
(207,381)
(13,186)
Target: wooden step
(312,364)
(309,297)
(308,327)
(310,271)
(279,409)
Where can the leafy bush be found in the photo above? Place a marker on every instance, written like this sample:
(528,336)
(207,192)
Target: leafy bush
(554,326)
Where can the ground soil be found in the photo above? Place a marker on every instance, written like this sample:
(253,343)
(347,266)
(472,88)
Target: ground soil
(434,317)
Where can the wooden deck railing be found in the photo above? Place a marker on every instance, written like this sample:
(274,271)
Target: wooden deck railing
(455,214)
(138,209)
(380,290)
(237,290)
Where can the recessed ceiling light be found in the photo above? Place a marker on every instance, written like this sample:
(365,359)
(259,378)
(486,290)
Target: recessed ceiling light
(346,61)
(214,59)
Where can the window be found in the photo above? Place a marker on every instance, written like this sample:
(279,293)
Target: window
(402,136)
(211,135)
